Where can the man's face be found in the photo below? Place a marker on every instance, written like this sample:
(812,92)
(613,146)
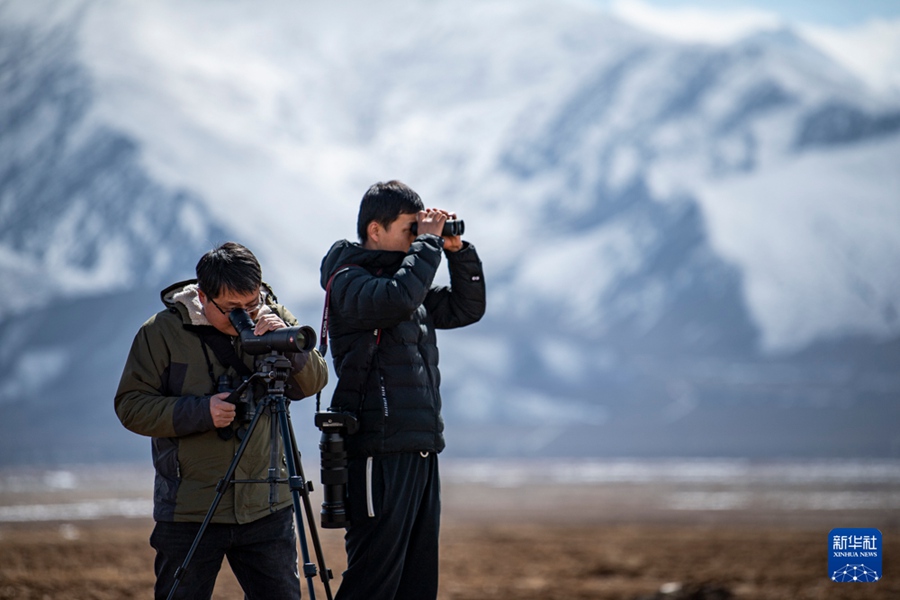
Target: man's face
(396,236)
(218,309)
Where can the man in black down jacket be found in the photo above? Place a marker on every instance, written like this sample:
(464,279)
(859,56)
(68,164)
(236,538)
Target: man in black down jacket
(383,315)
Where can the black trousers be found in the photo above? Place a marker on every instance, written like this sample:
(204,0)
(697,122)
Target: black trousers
(395,515)
(262,555)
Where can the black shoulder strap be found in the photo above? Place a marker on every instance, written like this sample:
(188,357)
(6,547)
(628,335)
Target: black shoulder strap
(223,349)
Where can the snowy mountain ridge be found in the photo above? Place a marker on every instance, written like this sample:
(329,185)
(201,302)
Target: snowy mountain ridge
(474,108)
(65,230)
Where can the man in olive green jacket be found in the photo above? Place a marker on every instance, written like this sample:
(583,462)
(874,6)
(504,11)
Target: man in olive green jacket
(171,391)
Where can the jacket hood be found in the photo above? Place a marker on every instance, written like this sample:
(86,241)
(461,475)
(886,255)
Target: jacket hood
(345,252)
(184,297)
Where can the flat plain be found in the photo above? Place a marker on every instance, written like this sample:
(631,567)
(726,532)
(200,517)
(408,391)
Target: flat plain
(615,540)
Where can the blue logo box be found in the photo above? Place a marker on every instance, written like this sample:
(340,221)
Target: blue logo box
(854,555)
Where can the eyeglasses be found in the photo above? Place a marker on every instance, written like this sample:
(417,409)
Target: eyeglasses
(248,309)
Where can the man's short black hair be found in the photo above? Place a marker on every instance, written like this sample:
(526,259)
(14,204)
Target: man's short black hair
(231,266)
(383,203)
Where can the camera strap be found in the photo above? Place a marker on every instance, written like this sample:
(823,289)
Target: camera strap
(222,347)
(323,333)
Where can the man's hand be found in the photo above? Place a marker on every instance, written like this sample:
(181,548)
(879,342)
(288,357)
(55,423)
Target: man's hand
(268,322)
(432,221)
(453,243)
(222,412)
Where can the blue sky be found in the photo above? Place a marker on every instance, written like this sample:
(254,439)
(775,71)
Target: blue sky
(836,13)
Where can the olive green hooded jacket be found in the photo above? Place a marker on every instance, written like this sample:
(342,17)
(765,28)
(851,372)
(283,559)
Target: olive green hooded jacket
(164,393)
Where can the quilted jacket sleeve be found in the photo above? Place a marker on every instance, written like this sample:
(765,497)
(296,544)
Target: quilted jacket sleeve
(464,301)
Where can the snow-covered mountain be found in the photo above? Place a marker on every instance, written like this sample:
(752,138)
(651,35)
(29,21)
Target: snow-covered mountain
(690,249)
(79,215)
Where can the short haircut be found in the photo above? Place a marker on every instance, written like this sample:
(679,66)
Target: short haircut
(383,203)
(232,267)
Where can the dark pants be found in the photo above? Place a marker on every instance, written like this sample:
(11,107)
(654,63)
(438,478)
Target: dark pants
(262,555)
(393,555)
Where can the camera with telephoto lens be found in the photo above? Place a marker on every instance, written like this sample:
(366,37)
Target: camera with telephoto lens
(334,426)
(286,339)
(452,227)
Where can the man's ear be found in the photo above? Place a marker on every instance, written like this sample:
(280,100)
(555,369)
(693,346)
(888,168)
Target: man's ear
(374,230)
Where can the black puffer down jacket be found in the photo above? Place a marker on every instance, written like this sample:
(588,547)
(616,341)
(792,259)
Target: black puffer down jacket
(383,313)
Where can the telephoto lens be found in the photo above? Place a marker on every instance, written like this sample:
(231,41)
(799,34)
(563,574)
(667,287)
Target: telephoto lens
(452,227)
(334,466)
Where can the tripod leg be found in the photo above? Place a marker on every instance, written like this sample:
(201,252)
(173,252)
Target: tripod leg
(298,488)
(274,459)
(220,491)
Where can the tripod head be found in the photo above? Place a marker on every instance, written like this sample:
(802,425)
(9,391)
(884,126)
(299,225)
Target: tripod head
(275,370)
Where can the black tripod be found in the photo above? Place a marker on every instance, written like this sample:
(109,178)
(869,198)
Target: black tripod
(275,369)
